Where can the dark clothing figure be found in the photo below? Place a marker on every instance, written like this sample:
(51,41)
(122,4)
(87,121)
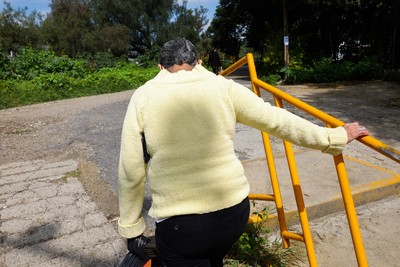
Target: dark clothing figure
(214,61)
(201,240)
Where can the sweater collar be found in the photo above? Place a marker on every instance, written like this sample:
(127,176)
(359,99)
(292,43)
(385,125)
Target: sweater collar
(182,76)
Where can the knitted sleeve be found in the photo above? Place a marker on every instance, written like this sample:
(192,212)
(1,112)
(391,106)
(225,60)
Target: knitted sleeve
(251,110)
(131,174)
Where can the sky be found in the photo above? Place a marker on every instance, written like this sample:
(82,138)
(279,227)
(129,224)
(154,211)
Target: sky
(42,6)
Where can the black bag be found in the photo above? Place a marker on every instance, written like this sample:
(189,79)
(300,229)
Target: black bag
(146,155)
(142,253)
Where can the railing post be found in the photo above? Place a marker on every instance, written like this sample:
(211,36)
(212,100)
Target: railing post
(378,146)
(350,211)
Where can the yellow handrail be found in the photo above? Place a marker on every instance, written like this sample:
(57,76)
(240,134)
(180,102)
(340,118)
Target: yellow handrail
(375,144)
(330,121)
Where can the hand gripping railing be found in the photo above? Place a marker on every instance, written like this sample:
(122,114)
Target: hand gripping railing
(330,121)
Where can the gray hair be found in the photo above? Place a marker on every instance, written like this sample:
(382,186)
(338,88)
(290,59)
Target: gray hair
(178,51)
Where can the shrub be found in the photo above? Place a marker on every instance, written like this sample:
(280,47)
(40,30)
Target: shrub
(123,77)
(104,60)
(28,64)
(4,65)
(55,86)
(255,249)
(149,59)
(20,93)
(327,70)
(368,69)
(272,79)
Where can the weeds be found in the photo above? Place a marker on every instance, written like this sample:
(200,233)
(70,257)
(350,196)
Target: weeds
(256,249)
(76,174)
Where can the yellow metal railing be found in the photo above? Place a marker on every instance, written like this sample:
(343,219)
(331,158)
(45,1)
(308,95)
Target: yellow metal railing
(330,121)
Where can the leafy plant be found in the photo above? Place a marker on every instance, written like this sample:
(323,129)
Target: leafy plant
(28,63)
(105,60)
(272,79)
(41,76)
(149,59)
(326,70)
(366,69)
(255,249)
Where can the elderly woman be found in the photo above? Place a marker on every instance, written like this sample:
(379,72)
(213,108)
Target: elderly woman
(187,117)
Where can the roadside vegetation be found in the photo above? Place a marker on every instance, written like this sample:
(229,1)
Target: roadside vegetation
(257,247)
(36,76)
(324,71)
(39,76)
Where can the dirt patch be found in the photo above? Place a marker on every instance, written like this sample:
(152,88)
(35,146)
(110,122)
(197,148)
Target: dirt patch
(98,190)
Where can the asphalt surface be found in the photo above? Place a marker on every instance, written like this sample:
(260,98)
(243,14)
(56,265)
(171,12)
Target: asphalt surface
(48,218)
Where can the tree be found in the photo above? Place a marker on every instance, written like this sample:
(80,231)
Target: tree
(318,29)
(188,23)
(354,29)
(151,22)
(67,27)
(76,27)
(146,20)
(383,26)
(17,29)
(228,28)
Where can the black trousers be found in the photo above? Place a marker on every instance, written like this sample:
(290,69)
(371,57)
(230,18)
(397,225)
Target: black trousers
(201,240)
(216,70)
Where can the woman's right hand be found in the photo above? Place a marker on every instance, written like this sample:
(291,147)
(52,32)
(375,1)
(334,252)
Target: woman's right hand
(354,130)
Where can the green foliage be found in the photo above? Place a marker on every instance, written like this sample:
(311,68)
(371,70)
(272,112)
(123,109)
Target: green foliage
(327,70)
(40,76)
(29,63)
(150,58)
(19,93)
(188,23)
(75,27)
(105,60)
(123,77)
(272,79)
(54,85)
(227,29)
(17,29)
(4,65)
(255,249)
(368,69)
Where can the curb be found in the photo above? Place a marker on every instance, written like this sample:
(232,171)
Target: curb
(381,184)
(364,194)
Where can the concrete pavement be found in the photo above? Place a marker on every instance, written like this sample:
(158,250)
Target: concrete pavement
(48,219)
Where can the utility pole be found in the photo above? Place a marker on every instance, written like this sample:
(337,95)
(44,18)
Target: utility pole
(285,37)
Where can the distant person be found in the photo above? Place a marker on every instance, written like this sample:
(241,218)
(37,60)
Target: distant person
(178,134)
(214,61)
